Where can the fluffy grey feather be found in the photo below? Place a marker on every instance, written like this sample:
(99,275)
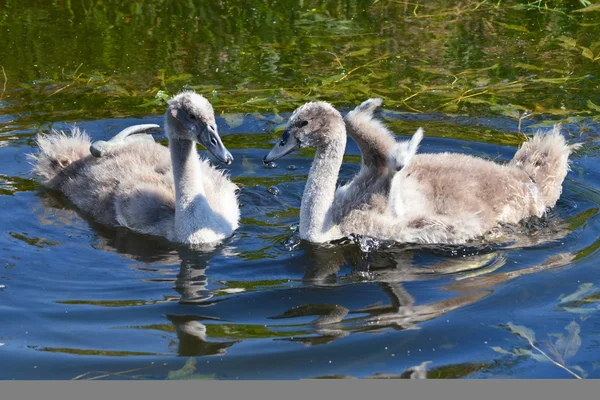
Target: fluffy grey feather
(144,186)
(435,198)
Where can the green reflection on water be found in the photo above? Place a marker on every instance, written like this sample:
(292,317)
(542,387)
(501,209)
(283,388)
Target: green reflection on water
(232,331)
(9,185)
(90,352)
(83,60)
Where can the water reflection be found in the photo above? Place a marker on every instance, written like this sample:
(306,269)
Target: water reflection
(401,312)
(194,320)
(193,340)
(332,321)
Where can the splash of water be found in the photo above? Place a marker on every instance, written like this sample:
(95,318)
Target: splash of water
(273,190)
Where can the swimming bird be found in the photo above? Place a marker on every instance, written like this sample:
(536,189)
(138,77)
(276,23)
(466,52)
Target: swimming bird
(144,186)
(443,198)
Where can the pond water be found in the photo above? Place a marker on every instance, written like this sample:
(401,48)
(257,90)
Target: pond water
(83,301)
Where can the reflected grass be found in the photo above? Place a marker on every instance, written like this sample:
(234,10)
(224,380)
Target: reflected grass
(118,303)
(90,352)
(514,58)
(233,331)
(32,241)
(9,185)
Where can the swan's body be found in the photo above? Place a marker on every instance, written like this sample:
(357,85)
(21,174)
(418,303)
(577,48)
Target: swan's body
(437,198)
(147,187)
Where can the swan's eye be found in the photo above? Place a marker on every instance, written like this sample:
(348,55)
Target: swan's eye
(192,117)
(303,123)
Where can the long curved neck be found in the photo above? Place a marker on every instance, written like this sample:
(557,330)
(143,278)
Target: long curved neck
(187,174)
(316,222)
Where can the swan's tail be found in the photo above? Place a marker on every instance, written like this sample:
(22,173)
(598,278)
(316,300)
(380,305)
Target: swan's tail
(58,150)
(545,157)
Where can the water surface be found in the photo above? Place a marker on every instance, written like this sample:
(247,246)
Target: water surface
(79,300)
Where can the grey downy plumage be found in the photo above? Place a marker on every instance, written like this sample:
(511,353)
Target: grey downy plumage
(436,198)
(145,186)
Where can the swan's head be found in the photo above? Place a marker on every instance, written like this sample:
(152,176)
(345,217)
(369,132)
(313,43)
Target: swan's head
(190,116)
(314,124)
(402,153)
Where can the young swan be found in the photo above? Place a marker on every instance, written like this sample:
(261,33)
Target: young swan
(444,198)
(144,186)
(453,198)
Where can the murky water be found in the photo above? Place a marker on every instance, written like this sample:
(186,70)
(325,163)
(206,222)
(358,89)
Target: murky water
(78,300)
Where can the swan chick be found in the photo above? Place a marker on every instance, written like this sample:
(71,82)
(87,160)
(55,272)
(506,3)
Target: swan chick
(437,198)
(143,185)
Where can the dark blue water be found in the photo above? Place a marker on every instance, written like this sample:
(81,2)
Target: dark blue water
(78,300)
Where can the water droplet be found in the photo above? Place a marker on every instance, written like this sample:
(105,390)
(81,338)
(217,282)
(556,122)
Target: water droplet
(273,190)
(364,274)
(367,244)
(270,165)
(291,167)
(291,243)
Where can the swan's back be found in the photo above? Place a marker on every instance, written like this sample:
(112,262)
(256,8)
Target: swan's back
(460,185)
(94,182)
(448,198)
(132,185)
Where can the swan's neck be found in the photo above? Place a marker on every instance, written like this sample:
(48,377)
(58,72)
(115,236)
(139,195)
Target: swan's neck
(187,174)
(195,222)
(316,222)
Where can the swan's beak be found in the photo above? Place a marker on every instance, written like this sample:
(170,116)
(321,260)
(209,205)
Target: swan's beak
(210,139)
(286,144)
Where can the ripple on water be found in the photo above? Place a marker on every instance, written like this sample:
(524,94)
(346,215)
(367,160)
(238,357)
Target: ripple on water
(265,295)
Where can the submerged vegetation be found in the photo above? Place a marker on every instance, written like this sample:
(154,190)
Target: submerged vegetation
(66,61)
